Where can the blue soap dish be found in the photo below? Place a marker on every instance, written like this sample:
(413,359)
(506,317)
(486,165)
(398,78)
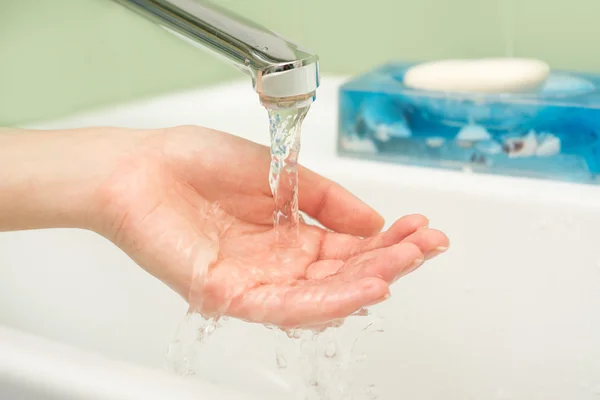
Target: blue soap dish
(551,132)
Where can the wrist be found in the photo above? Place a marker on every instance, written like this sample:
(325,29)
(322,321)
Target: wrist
(50,179)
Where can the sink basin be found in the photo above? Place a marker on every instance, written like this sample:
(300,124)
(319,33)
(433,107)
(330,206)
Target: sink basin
(510,312)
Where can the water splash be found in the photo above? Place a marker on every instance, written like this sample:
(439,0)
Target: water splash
(372,392)
(279,356)
(193,333)
(195,330)
(331,350)
(325,360)
(281,361)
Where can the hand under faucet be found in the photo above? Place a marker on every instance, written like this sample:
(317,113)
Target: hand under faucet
(193,207)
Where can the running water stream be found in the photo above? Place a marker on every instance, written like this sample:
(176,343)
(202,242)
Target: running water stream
(285,128)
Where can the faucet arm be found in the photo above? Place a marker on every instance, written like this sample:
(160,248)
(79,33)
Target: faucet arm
(279,68)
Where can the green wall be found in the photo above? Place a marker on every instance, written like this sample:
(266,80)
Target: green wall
(62,56)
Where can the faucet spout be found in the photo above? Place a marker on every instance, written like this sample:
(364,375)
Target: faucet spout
(282,72)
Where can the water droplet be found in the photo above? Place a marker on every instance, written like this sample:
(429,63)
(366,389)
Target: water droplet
(294,333)
(189,341)
(363,312)
(281,361)
(210,329)
(372,392)
(330,350)
(360,358)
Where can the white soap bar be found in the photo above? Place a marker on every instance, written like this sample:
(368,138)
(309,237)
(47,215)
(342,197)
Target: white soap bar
(492,75)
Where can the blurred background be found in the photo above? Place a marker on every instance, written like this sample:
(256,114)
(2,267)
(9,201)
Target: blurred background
(59,57)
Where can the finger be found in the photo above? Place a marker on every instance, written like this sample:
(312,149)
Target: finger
(309,303)
(335,207)
(342,247)
(388,263)
(431,242)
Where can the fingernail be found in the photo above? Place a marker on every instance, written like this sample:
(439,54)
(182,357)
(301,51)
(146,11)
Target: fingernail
(436,252)
(423,227)
(416,264)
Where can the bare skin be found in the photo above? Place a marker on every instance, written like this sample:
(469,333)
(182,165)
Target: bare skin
(193,207)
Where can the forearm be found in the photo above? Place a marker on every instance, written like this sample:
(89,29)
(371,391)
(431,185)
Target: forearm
(49,178)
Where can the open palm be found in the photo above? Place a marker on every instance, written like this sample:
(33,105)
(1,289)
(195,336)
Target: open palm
(193,207)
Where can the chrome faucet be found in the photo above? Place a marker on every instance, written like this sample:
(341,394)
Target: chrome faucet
(283,74)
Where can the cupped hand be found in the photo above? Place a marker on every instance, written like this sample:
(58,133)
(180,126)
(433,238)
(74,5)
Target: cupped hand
(194,208)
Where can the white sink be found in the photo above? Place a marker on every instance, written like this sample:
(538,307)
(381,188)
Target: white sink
(512,311)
